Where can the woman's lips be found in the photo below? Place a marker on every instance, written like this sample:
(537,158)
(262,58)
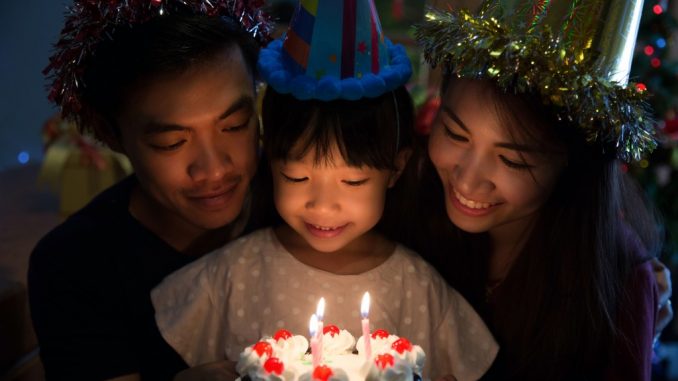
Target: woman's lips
(470,207)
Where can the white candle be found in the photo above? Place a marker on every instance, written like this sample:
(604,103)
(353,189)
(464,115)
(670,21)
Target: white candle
(320,313)
(313,327)
(364,311)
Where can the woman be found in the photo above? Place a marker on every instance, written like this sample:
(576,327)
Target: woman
(540,228)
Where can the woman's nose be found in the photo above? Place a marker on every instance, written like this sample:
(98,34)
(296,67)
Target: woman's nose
(472,174)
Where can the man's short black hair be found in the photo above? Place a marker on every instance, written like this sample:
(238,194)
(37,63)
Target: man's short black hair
(166,45)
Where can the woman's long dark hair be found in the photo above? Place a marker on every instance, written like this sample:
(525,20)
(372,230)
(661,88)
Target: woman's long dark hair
(555,314)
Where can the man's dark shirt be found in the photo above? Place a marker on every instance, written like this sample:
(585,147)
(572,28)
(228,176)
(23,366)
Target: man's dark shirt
(89,287)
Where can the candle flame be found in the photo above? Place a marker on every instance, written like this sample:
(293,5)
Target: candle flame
(320,310)
(313,325)
(365,305)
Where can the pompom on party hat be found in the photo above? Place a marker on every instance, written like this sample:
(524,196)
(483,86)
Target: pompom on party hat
(334,49)
(575,54)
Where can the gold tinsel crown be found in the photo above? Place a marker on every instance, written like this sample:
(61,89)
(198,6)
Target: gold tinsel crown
(576,55)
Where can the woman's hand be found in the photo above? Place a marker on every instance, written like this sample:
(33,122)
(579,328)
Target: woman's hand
(665,313)
(214,371)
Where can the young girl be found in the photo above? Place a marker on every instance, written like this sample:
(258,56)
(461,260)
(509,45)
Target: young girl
(550,238)
(334,164)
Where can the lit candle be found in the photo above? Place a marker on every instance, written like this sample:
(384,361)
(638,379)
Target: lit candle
(364,311)
(313,330)
(320,313)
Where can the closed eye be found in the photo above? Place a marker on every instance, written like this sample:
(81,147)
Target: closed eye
(170,147)
(515,165)
(293,179)
(355,183)
(453,136)
(236,128)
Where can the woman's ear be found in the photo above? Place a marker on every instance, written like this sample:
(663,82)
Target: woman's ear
(401,160)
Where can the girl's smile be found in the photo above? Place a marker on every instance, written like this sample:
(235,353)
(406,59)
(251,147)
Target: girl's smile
(325,231)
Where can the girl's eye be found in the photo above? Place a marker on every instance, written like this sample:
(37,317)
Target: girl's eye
(453,136)
(515,165)
(355,183)
(170,147)
(293,179)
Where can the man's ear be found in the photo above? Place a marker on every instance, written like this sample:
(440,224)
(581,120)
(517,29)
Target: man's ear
(401,160)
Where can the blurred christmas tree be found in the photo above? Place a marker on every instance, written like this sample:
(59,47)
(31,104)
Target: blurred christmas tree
(655,66)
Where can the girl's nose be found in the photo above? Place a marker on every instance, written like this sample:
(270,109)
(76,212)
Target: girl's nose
(323,197)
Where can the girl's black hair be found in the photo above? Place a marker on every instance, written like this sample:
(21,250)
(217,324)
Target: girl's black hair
(370,131)
(136,55)
(556,314)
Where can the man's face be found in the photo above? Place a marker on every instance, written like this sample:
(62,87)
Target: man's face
(192,140)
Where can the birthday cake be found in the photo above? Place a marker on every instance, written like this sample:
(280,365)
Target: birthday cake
(287,357)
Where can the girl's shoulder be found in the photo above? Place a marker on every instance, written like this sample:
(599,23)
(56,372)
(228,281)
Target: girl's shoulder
(416,269)
(246,250)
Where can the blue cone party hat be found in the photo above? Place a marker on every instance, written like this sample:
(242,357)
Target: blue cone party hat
(334,49)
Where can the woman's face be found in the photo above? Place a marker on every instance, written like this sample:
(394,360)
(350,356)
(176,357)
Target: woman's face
(495,181)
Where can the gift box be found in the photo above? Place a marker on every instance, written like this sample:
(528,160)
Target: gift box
(77,167)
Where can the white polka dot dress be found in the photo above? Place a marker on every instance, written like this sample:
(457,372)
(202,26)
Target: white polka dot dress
(211,309)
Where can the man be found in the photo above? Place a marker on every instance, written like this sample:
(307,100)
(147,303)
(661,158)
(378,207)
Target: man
(173,89)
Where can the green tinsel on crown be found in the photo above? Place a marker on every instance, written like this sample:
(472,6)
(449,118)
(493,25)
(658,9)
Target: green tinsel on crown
(533,60)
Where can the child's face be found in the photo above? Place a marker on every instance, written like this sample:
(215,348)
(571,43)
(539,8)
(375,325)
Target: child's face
(492,182)
(329,204)
(192,141)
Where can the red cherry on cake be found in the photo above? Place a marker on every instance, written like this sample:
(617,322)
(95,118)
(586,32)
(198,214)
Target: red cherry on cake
(331,329)
(384,360)
(322,373)
(380,333)
(262,348)
(401,345)
(274,365)
(282,334)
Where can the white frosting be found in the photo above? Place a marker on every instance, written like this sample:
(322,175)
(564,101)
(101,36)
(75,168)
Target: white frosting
(415,358)
(249,361)
(338,374)
(337,355)
(379,345)
(340,344)
(292,348)
(400,371)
